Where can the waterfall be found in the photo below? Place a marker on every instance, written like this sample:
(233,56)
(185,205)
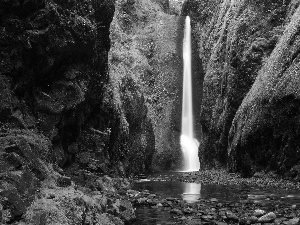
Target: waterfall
(189,144)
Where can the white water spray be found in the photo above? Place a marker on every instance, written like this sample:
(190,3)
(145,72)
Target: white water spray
(189,144)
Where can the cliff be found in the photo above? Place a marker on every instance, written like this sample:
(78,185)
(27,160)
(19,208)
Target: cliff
(88,90)
(60,128)
(146,71)
(249,51)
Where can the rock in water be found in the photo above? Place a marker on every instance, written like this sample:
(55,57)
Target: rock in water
(176,212)
(231,216)
(259,212)
(253,219)
(293,221)
(268,218)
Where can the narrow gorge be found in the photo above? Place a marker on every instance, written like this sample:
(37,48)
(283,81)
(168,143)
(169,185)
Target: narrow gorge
(91,100)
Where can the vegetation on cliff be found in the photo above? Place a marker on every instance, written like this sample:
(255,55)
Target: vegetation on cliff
(145,70)
(59,127)
(249,111)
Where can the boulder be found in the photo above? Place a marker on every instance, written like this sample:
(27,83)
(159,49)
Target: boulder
(268,218)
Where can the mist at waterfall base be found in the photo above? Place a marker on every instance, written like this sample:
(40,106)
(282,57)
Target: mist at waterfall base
(189,144)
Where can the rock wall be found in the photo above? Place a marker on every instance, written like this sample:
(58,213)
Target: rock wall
(61,123)
(146,65)
(249,110)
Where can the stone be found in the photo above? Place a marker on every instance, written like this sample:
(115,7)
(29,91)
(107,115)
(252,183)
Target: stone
(159,205)
(187,210)
(231,216)
(64,181)
(219,205)
(169,203)
(243,221)
(152,196)
(207,217)
(193,222)
(126,210)
(268,218)
(220,223)
(259,212)
(171,199)
(141,201)
(253,219)
(177,212)
(293,221)
(213,200)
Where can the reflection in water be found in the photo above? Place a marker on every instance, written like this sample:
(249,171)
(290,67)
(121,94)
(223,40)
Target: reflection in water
(191,192)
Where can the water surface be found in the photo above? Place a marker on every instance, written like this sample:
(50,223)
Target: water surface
(192,192)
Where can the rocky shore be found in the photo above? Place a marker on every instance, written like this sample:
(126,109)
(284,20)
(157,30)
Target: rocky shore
(242,210)
(259,179)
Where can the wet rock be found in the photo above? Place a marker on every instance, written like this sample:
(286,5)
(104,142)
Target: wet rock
(293,221)
(193,221)
(171,199)
(152,196)
(253,219)
(177,212)
(207,217)
(268,218)
(168,203)
(188,210)
(220,223)
(159,205)
(132,193)
(259,212)
(219,205)
(243,221)
(126,210)
(231,216)
(141,201)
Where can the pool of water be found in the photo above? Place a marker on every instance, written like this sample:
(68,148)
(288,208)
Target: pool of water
(192,192)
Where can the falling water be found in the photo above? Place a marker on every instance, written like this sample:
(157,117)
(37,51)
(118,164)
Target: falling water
(189,144)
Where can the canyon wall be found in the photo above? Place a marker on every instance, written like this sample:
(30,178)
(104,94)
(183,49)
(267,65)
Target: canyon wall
(249,52)
(64,120)
(146,63)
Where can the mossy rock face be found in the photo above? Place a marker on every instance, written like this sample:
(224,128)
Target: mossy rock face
(236,41)
(266,125)
(146,56)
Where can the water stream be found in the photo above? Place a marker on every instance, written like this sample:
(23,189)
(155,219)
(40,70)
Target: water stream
(192,192)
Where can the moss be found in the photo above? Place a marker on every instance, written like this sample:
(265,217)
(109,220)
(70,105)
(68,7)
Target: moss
(235,39)
(270,110)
